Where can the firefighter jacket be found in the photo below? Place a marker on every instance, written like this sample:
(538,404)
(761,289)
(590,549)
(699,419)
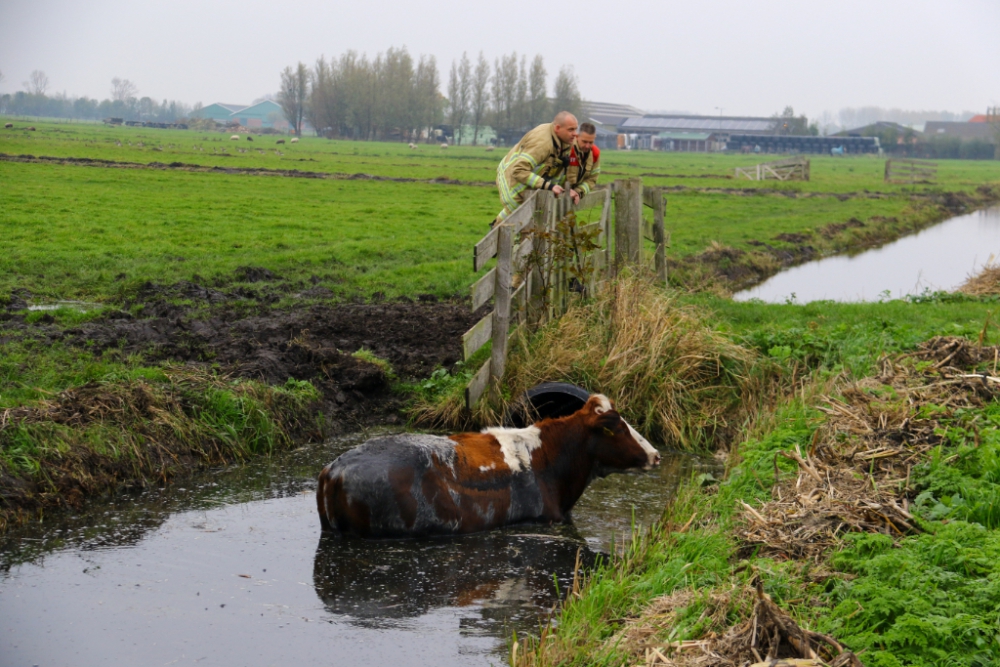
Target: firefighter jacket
(537,161)
(583,169)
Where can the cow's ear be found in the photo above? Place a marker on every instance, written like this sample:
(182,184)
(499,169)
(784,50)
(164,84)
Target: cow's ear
(598,404)
(607,420)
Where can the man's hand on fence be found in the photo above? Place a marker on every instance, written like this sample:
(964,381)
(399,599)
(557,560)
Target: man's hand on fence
(557,190)
(575,195)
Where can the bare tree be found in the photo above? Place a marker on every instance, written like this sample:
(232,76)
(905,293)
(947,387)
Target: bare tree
(321,108)
(538,100)
(566,93)
(292,96)
(480,100)
(519,117)
(426,92)
(459,94)
(122,90)
(504,94)
(37,83)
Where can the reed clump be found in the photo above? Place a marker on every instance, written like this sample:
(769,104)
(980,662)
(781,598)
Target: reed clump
(669,372)
(130,432)
(984,283)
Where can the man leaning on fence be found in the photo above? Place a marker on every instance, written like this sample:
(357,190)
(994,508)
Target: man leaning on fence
(537,162)
(584,163)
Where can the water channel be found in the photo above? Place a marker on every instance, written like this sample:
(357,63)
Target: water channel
(228,568)
(939,258)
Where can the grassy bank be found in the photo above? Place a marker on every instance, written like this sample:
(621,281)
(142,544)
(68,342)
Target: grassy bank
(132,425)
(154,243)
(858,505)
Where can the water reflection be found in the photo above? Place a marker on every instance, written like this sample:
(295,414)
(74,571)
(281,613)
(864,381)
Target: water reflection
(509,576)
(229,566)
(938,258)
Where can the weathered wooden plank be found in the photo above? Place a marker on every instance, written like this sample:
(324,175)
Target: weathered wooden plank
(476,337)
(522,250)
(482,291)
(659,237)
(592,200)
(647,230)
(524,214)
(477,385)
(485,249)
(902,161)
(501,309)
(517,301)
(649,196)
(605,222)
(628,221)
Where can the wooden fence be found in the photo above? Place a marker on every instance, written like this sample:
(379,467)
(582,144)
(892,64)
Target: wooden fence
(790,169)
(910,171)
(546,288)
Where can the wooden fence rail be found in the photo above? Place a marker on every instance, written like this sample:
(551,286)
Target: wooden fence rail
(656,199)
(546,287)
(540,211)
(910,171)
(790,169)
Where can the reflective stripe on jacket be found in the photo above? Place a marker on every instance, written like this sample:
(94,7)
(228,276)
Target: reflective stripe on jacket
(583,169)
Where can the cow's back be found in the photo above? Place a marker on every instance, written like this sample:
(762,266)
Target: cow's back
(414,484)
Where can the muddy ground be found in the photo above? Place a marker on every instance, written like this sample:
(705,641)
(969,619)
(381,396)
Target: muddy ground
(314,342)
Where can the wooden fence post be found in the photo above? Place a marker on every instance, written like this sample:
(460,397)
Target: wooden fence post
(501,313)
(628,222)
(659,235)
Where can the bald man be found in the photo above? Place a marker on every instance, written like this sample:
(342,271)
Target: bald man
(537,162)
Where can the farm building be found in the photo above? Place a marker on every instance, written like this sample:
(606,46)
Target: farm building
(262,114)
(689,133)
(220,112)
(607,115)
(486,135)
(778,143)
(964,131)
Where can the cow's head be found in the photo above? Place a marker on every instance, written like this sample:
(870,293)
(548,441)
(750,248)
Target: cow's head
(613,442)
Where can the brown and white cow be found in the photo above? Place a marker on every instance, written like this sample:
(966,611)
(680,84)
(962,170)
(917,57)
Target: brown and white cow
(412,484)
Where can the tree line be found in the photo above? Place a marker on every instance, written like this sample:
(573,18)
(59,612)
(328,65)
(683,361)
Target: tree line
(124,103)
(393,96)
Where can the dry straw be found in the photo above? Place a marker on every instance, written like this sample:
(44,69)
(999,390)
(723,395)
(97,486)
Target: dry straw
(666,368)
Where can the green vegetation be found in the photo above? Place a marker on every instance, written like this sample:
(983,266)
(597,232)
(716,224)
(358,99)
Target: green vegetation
(697,370)
(922,596)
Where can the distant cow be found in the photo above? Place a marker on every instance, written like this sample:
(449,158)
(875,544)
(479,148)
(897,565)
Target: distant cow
(31,128)
(413,484)
(490,149)
(280,141)
(295,140)
(412,146)
(444,144)
(235,137)
(8,126)
(249,138)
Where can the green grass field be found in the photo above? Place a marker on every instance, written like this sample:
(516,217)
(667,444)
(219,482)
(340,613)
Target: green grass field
(73,230)
(98,233)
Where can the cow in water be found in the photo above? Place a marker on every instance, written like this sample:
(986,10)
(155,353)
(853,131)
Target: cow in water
(412,484)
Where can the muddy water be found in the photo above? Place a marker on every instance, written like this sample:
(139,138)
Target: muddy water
(229,568)
(938,258)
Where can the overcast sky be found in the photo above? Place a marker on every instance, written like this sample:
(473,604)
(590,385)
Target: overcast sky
(743,57)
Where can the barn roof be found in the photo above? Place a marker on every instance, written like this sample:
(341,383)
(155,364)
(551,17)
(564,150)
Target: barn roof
(697,123)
